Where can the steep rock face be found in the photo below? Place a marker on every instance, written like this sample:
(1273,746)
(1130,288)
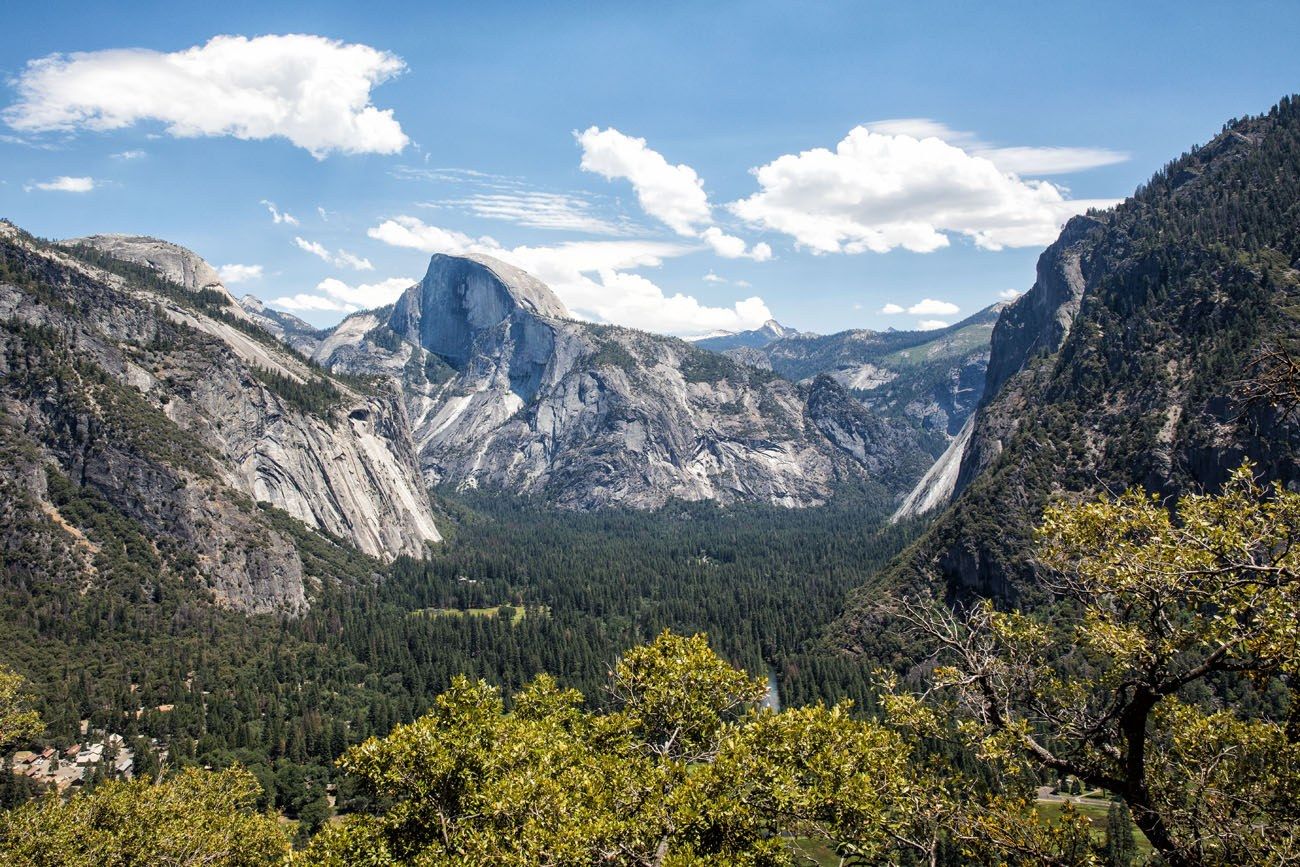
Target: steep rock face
(881,448)
(183,415)
(939,484)
(1123,365)
(505,391)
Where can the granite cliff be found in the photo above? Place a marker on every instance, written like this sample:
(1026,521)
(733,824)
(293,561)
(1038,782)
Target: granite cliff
(130,373)
(505,390)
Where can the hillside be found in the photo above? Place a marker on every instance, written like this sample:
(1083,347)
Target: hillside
(140,404)
(929,380)
(1123,364)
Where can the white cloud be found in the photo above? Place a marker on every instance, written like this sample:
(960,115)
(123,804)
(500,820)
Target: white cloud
(1021,160)
(341,259)
(538,210)
(333,295)
(731,247)
(278,216)
(878,191)
(1051,160)
(65,184)
(233,273)
(129,155)
(930,324)
(592,278)
(673,194)
(1010,294)
(307,302)
(313,91)
(412,232)
(714,278)
(931,307)
(356,263)
(891,309)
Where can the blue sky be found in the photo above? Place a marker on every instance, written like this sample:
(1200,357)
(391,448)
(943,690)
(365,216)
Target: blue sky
(677,167)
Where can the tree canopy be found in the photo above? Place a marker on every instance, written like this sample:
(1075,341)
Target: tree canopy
(1121,681)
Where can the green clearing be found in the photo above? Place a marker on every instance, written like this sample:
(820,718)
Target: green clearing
(517,613)
(1094,813)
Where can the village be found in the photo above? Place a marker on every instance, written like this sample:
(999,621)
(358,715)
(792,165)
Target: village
(100,756)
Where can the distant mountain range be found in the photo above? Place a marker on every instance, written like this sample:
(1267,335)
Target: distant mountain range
(931,380)
(135,379)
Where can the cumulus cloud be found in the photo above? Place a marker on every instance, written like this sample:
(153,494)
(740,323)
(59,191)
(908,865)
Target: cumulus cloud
(313,91)
(891,309)
(930,324)
(339,259)
(129,155)
(278,216)
(592,278)
(412,232)
(232,274)
(880,190)
(714,278)
(672,194)
(333,295)
(1010,294)
(931,307)
(731,247)
(65,184)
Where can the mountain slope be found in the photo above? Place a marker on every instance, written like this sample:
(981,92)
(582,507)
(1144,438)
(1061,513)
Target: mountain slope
(505,391)
(162,402)
(1123,364)
(929,379)
(756,338)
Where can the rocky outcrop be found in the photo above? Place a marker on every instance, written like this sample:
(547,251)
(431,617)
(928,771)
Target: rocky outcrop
(184,416)
(504,390)
(939,484)
(175,263)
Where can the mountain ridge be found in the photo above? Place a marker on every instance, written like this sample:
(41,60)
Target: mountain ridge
(1123,365)
(182,416)
(523,398)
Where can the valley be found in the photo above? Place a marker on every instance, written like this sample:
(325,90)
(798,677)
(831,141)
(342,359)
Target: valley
(575,551)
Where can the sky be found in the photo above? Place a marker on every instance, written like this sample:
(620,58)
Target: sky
(681,168)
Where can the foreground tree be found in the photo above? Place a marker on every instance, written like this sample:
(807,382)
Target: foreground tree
(17,719)
(679,770)
(195,818)
(1153,605)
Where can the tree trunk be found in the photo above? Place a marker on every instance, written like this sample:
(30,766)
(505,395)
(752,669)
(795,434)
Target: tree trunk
(1133,724)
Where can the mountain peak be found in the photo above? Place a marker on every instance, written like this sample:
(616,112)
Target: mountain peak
(523,288)
(463,297)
